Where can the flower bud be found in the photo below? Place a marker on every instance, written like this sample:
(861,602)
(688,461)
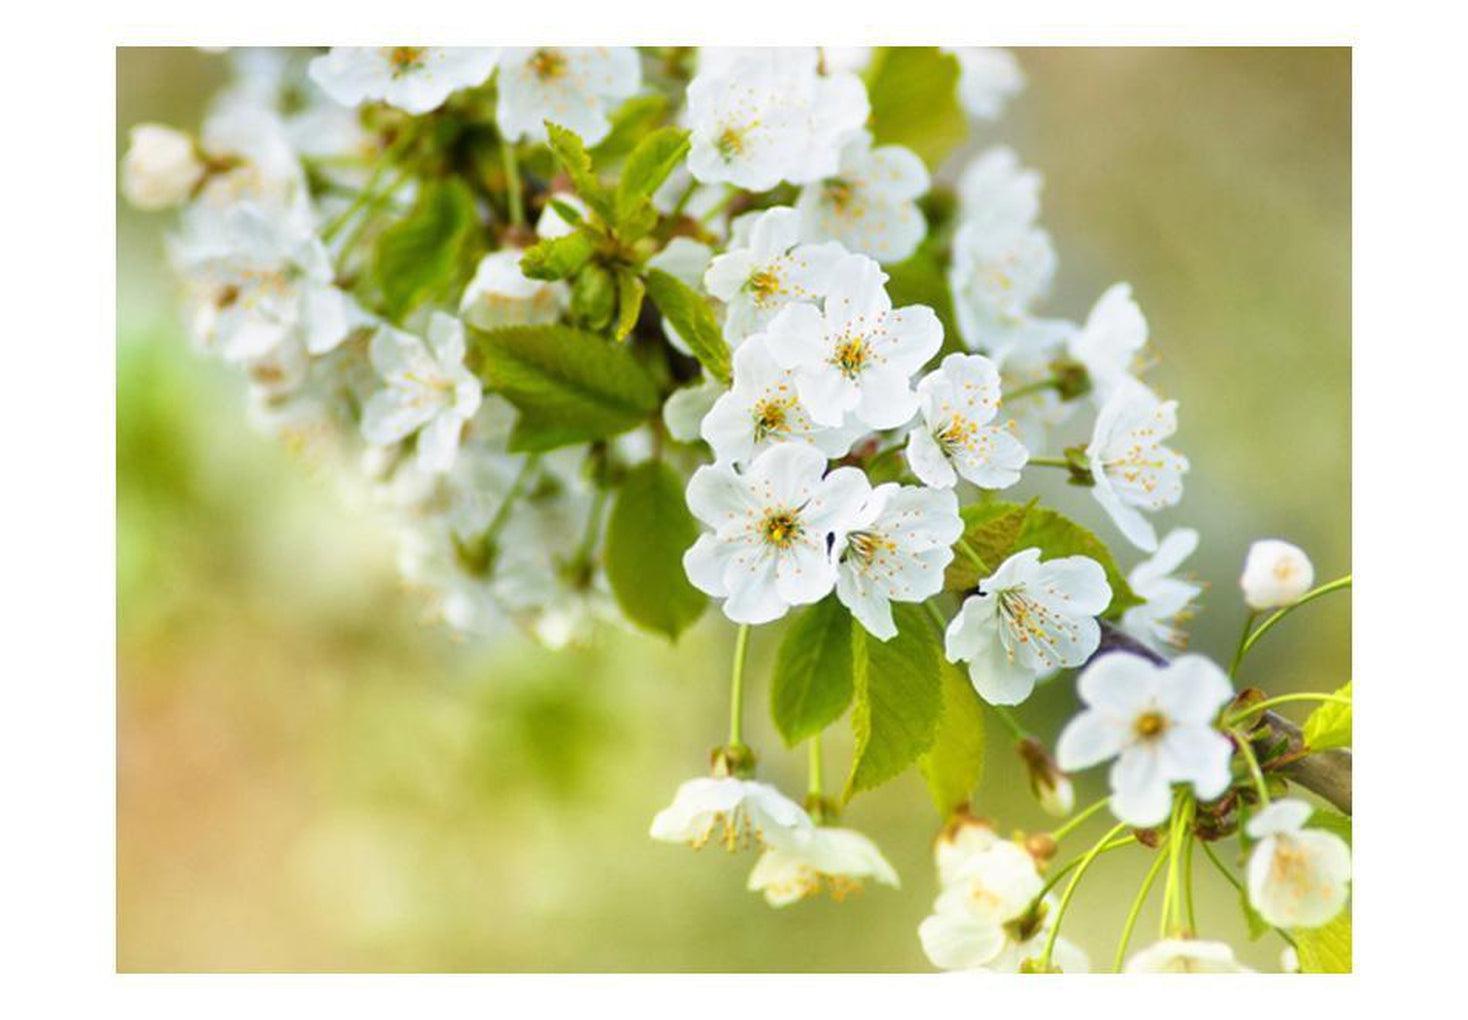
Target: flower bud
(1051,787)
(161,168)
(1275,574)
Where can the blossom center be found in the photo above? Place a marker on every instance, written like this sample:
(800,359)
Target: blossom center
(865,546)
(547,65)
(730,142)
(772,416)
(1150,724)
(764,284)
(839,193)
(956,433)
(402,59)
(780,528)
(852,355)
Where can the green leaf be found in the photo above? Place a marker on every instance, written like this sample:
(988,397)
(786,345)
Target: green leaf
(694,320)
(920,280)
(1056,535)
(570,386)
(427,252)
(1330,821)
(655,157)
(649,531)
(1330,724)
(630,291)
(914,94)
(558,258)
(898,698)
(631,121)
(569,151)
(812,682)
(1325,950)
(990,532)
(954,764)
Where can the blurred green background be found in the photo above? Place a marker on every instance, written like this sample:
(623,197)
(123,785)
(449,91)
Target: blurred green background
(311,779)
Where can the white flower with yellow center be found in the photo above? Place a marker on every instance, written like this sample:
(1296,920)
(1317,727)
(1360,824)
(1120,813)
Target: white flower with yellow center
(1132,469)
(763,408)
(987,79)
(768,270)
(857,354)
(894,548)
(161,168)
(572,86)
(1027,620)
(1111,340)
(1298,877)
(958,402)
(987,918)
(1186,956)
(735,813)
(1275,574)
(428,391)
(1166,599)
(760,116)
(1157,722)
(412,78)
(501,295)
(256,282)
(836,860)
(870,205)
(995,277)
(772,525)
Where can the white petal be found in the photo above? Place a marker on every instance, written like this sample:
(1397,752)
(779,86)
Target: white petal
(1140,793)
(1089,738)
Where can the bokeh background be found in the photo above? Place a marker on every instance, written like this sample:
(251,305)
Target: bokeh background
(310,778)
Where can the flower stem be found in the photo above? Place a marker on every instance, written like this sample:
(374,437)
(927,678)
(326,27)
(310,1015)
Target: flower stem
(813,759)
(718,207)
(1177,826)
(1065,869)
(1310,596)
(1012,724)
(1032,388)
(736,688)
(1058,462)
(974,557)
(1135,912)
(517,490)
(1247,750)
(1188,882)
(513,197)
(1070,890)
(1233,667)
(1077,820)
(1283,699)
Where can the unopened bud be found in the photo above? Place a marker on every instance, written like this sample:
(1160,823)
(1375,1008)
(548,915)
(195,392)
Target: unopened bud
(161,168)
(1051,787)
(736,760)
(1072,381)
(1275,574)
(1041,846)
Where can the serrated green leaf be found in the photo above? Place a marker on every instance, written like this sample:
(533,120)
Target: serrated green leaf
(570,386)
(694,320)
(1325,950)
(1056,535)
(914,95)
(426,254)
(953,766)
(630,291)
(558,258)
(571,154)
(648,532)
(898,698)
(920,280)
(1330,724)
(990,532)
(650,163)
(812,682)
(631,121)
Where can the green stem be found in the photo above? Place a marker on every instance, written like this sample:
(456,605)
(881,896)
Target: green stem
(1310,596)
(1034,387)
(1188,883)
(1064,869)
(1255,772)
(736,688)
(1077,820)
(969,551)
(1233,667)
(1012,724)
(1284,699)
(1175,828)
(682,202)
(1070,891)
(593,526)
(513,197)
(1059,462)
(813,759)
(718,207)
(1135,912)
(517,490)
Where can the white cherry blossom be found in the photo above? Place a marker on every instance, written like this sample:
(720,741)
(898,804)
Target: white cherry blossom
(1276,573)
(570,86)
(1186,956)
(958,403)
(428,391)
(501,295)
(1132,469)
(1166,599)
(1157,722)
(767,268)
(412,78)
(1297,877)
(870,205)
(998,192)
(856,355)
(1027,620)
(734,812)
(771,527)
(894,547)
(987,79)
(763,408)
(1111,340)
(834,859)
(161,168)
(995,277)
(686,408)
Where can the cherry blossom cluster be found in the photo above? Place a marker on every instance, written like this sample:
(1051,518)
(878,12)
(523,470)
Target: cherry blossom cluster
(844,443)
